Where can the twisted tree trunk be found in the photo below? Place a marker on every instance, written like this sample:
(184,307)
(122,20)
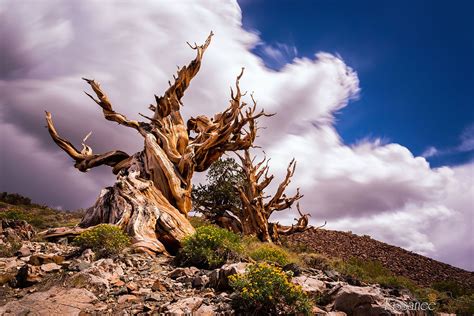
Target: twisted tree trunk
(257,207)
(152,195)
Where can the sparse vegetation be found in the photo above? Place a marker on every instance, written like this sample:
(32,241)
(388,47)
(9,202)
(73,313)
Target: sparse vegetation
(209,247)
(372,272)
(270,253)
(17,207)
(266,289)
(315,260)
(105,240)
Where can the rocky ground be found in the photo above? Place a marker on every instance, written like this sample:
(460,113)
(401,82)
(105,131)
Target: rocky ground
(45,278)
(422,270)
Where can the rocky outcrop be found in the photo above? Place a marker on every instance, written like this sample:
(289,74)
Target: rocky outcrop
(55,301)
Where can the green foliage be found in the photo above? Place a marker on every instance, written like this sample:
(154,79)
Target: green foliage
(452,288)
(104,239)
(209,247)
(266,289)
(219,194)
(270,253)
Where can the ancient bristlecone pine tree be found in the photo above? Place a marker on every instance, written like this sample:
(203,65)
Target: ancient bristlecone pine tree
(257,207)
(152,195)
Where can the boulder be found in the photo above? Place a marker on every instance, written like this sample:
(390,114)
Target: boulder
(185,306)
(127,298)
(218,278)
(364,301)
(50,267)
(183,272)
(200,281)
(24,251)
(310,284)
(41,258)
(28,275)
(88,281)
(55,301)
(205,310)
(158,286)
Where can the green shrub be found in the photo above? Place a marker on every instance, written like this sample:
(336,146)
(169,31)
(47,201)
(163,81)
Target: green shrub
(209,247)
(452,288)
(104,239)
(270,253)
(266,289)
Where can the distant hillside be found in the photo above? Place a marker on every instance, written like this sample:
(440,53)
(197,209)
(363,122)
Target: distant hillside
(15,206)
(345,245)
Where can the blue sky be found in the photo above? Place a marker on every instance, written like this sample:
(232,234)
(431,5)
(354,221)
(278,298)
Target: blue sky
(415,61)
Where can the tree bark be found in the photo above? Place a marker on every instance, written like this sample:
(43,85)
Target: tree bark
(152,195)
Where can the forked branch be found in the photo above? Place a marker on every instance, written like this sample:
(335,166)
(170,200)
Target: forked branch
(104,102)
(85,159)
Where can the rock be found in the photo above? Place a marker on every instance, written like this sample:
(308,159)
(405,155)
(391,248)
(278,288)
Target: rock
(205,310)
(41,258)
(185,306)
(183,272)
(200,281)
(16,229)
(87,255)
(55,301)
(6,277)
(158,286)
(293,267)
(367,300)
(50,267)
(127,298)
(89,281)
(105,269)
(24,251)
(132,286)
(318,311)
(218,278)
(310,284)
(28,275)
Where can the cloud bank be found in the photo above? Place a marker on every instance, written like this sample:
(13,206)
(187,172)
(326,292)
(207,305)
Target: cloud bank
(369,188)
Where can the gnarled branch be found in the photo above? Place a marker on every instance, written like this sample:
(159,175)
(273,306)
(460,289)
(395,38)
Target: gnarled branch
(85,159)
(104,102)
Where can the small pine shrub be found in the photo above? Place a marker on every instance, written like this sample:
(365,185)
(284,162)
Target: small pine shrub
(266,289)
(210,247)
(105,240)
(270,253)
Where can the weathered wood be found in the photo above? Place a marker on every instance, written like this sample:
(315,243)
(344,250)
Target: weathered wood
(257,207)
(152,195)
